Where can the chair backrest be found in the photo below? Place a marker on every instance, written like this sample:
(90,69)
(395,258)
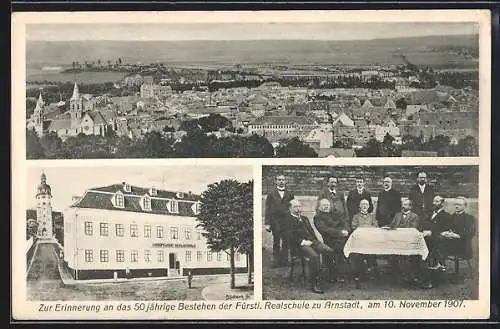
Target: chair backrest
(316,232)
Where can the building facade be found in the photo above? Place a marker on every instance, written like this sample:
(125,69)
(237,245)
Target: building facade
(128,231)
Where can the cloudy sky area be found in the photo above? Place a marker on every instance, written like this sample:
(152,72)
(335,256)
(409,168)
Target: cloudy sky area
(244,31)
(74,181)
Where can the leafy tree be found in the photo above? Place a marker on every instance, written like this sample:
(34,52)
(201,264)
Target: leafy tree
(34,149)
(401,103)
(467,147)
(51,144)
(226,217)
(371,149)
(295,148)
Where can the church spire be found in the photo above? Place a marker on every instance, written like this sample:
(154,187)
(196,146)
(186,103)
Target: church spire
(76,93)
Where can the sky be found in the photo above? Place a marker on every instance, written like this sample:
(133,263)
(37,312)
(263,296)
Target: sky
(67,182)
(244,31)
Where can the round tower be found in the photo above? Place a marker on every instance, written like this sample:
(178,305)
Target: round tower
(44,209)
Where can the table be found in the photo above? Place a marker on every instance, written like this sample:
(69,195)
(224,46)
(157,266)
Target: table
(378,241)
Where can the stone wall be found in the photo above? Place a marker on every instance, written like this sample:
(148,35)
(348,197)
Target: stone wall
(449,181)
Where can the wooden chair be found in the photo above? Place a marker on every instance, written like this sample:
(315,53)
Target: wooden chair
(457,259)
(295,258)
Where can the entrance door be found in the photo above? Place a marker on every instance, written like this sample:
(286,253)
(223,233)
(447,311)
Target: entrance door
(171,260)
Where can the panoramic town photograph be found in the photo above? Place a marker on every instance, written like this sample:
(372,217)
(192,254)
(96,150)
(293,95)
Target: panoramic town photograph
(139,233)
(254,90)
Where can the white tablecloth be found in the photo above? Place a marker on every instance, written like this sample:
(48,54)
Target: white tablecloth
(378,241)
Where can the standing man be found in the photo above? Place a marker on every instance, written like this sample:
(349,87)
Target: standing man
(304,240)
(388,203)
(355,196)
(277,210)
(190,279)
(421,196)
(338,207)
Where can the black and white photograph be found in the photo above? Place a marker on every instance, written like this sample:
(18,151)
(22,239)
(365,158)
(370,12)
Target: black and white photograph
(254,90)
(139,233)
(370,232)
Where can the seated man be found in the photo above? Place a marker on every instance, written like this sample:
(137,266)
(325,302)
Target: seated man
(457,239)
(302,239)
(438,222)
(334,231)
(363,219)
(407,219)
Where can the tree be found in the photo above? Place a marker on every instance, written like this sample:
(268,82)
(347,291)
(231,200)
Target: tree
(401,103)
(34,149)
(226,217)
(295,148)
(51,144)
(467,146)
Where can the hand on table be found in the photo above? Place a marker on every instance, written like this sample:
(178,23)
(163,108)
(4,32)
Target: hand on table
(344,233)
(426,233)
(306,243)
(268,228)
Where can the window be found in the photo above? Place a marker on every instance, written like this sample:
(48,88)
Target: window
(219,256)
(134,255)
(153,191)
(180,195)
(104,229)
(147,231)
(174,233)
(197,208)
(104,256)
(120,230)
(133,230)
(199,256)
(147,256)
(159,232)
(198,234)
(89,257)
(146,203)
(88,228)
(120,256)
(126,187)
(161,256)
(237,257)
(187,233)
(173,206)
(188,256)
(209,256)
(228,257)
(119,200)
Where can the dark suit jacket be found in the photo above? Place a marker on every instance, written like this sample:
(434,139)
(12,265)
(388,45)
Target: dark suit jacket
(353,200)
(465,225)
(440,223)
(337,203)
(277,209)
(421,202)
(411,220)
(330,227)
(388,205)
(298,230)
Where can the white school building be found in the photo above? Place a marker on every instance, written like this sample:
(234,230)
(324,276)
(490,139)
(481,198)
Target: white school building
(122,230)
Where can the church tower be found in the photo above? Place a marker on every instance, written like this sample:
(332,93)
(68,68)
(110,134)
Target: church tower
(44,209)
(38,116)
(76,108)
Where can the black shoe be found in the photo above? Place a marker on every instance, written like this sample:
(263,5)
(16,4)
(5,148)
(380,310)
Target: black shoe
(317,289)
(427,285)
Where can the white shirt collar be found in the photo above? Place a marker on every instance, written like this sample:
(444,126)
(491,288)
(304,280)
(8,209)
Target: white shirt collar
(422,187)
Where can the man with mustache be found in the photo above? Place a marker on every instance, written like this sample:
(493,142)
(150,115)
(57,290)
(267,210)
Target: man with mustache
(355,196)
(421,196)
(277,202)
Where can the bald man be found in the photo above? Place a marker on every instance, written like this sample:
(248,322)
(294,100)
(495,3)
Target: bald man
(388,203)
(303,241)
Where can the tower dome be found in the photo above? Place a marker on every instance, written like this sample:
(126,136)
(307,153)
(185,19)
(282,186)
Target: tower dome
(43,187)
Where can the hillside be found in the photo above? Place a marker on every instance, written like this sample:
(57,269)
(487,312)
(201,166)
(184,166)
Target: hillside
(380,51)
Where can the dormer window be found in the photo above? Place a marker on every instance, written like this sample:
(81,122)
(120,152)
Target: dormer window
(126,187)
(173,206)
(119,200)
(146,203)
(196,207)
(180,195)
(153,191)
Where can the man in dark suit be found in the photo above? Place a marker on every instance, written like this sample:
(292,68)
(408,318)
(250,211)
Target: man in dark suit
(388,203)
(337,202)
(457,240)
(303,240)
(421,196)
(355,196)
(435,224)
(277,202)
(334,232)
